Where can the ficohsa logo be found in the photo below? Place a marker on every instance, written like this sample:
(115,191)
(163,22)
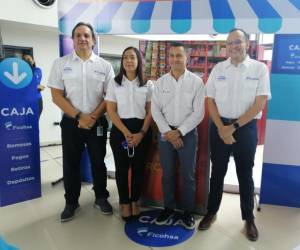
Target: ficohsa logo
(141,231)
(12,126)
(145,232)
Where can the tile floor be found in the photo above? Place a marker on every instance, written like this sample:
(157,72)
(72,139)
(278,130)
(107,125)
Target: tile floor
(35,224)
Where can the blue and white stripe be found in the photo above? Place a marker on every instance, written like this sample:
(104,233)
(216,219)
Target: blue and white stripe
(182,16)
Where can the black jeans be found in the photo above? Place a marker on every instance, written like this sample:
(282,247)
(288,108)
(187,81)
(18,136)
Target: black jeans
(243,152)
(123,162)
(73,140)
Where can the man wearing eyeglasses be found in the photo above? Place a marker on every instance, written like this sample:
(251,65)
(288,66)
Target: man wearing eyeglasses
(237,91)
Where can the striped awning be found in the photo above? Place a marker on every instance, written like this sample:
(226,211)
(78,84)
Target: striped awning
(181,16)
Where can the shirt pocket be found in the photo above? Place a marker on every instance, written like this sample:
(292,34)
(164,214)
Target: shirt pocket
(221,90)
(250,89)
(121,95)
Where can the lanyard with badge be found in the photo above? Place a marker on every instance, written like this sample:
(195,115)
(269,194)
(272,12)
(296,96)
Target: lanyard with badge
(99,130)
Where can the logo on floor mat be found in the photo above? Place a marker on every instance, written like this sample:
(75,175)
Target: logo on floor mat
(145,232)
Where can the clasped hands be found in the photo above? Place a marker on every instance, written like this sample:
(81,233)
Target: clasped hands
(174,137)
(87,121)
(226,134)
(133,139)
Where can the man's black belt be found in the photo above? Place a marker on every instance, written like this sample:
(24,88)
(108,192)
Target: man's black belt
(228,121)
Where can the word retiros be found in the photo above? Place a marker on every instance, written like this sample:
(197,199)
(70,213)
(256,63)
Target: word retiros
(23,111)
(20,168)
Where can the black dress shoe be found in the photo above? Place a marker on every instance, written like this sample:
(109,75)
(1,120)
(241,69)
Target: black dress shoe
(69,212)
(251,230)
(206,222)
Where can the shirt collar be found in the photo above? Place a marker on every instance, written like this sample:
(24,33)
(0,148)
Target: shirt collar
(125,79)
(183,76)
(245,63)
(92,58)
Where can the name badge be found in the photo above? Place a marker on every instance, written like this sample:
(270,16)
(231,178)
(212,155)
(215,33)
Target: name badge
(100,130)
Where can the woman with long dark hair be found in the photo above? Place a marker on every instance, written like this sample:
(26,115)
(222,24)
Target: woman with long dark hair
(128,106)
(37,78)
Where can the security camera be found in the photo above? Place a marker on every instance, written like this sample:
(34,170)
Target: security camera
(45,3)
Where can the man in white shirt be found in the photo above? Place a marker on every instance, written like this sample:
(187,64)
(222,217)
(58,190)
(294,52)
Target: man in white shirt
(177,108)
(237,91)
(78,83)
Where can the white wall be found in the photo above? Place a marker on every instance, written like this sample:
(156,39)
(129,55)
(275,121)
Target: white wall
(116,44)
(26,11)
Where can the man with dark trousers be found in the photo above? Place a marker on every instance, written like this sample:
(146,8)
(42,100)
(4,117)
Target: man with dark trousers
(237,91)
(78,83)
(177,108)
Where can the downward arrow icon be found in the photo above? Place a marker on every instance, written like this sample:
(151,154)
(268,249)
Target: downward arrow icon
(15,77)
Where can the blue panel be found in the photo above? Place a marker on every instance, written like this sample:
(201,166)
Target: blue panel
(223,16)
(269,20)
(280,185)
(140,22)
(181,16)
(104,19)
(20,177)
(296,3)
(285,104)
(286,54)
(68,21)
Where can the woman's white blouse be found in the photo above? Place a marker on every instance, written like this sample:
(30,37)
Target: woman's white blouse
(130,98)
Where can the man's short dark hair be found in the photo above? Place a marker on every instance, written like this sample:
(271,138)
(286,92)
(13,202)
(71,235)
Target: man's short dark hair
(246,35)
(177,45)
(84,24)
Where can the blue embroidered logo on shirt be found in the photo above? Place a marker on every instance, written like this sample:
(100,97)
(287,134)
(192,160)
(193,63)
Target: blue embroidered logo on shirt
(67,69)
(251,78)
(221,78)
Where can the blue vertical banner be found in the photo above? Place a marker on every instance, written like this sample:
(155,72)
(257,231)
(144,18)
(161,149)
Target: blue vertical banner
(280,183)
(19,145)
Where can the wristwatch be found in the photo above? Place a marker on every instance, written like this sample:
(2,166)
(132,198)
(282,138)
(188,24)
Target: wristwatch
(77,117)
(236,125)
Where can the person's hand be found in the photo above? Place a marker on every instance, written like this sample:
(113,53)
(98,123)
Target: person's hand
(128,136)
(177,143)
(86,121)
(172,135)
(226,131)
(229,140)
(135,140)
